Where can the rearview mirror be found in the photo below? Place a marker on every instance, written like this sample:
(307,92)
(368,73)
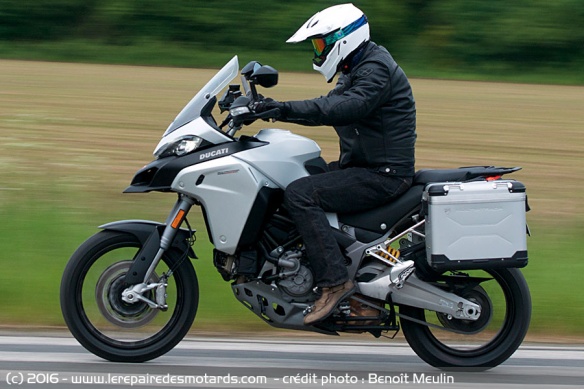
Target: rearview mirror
(265,76)
(250,68)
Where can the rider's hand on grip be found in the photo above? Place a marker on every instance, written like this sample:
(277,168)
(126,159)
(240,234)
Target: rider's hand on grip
(270,109)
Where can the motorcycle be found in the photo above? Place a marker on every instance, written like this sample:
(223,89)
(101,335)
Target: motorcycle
(445,273)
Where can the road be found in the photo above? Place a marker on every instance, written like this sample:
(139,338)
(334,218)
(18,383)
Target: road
(60,362)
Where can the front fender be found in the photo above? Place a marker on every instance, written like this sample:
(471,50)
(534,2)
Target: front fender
(148,233)
(141,229)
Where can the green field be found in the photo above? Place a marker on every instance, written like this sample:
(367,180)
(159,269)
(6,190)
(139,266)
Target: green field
(72,136)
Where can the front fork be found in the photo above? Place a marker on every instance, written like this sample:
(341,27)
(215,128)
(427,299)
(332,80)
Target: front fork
(173,223)
(149,256)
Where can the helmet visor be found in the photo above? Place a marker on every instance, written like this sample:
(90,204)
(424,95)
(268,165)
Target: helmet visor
(319,46)
(321,50)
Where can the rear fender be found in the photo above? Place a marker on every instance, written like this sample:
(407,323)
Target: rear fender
(148,233)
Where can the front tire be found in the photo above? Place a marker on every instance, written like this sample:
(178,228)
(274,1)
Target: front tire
(477,350)
(111,328)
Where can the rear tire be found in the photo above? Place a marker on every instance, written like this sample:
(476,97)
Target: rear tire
(106,325)
(503,338)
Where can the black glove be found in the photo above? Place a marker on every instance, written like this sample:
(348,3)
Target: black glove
(268,104)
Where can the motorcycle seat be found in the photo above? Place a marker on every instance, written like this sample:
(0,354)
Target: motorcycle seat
(462,174)
(387,215)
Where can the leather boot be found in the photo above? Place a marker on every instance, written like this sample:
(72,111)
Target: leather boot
(324,306)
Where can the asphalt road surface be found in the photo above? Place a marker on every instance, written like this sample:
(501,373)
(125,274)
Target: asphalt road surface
(60,362)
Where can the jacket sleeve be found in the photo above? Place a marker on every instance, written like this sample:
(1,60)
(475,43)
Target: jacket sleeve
(369,87)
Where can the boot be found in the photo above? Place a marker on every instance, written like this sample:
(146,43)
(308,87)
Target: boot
(362,310)
(324,306)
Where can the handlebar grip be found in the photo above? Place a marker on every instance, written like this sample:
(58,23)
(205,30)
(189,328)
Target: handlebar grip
(249,118)
(269,114)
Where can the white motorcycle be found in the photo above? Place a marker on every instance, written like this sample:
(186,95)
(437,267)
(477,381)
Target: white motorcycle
(130,292)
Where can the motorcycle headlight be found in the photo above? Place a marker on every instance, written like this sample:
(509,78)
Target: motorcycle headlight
(180,147)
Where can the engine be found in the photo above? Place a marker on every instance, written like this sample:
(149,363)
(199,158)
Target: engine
(278,258)
(295,279)
(289,272)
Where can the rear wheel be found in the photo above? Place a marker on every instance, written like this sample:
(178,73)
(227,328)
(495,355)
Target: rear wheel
(505,314)
(108,326)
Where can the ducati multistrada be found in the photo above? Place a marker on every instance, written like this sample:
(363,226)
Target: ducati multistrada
(440,262)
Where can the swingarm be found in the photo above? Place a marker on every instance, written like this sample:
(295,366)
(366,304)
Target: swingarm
(420,294)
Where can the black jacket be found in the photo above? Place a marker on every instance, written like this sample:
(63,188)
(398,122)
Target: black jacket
(372,110)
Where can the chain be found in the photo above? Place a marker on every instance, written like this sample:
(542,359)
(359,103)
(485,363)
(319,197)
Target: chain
(425,323)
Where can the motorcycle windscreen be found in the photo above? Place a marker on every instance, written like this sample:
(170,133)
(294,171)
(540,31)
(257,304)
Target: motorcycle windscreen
(193,109)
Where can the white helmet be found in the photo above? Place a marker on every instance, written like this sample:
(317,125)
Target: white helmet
(335,33)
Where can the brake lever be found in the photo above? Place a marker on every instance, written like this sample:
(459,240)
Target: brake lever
(269,114)
(250,118)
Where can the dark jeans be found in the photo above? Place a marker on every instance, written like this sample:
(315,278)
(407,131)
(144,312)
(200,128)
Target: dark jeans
(339,191)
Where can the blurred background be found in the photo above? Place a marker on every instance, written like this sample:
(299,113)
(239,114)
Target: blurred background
(470,38)
(87,88)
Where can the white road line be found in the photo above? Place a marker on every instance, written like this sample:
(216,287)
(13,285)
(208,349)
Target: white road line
(309,346)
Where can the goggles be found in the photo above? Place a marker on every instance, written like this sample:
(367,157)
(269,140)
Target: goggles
(319,45)
(323,45)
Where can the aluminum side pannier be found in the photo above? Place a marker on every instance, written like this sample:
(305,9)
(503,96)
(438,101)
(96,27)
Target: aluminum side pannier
(476,225)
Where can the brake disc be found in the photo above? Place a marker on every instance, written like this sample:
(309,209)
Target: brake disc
(108,294)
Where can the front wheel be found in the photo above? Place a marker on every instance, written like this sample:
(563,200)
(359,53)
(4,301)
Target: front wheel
(479,345)
(109,327)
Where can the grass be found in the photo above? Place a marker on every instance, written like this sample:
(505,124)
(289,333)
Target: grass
(72,136)
(554,276)
(289,58)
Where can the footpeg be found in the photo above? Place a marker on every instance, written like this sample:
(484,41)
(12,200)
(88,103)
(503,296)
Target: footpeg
(400,273)
(345,308)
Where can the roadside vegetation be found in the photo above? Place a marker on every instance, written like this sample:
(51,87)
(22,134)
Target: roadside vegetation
(535,41)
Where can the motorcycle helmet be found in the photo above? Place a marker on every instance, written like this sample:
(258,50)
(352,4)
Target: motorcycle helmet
(335,33)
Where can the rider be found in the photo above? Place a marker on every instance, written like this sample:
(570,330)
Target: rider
(373,112)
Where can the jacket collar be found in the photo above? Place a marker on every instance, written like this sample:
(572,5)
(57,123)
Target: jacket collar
(354,58)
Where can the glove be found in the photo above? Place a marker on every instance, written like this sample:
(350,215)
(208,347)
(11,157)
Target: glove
(268,104)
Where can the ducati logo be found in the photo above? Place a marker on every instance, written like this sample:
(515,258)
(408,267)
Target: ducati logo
(214,153)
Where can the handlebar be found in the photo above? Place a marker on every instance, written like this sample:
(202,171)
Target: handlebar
(236,122)
(273,113)
(242,107)
(251,117)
